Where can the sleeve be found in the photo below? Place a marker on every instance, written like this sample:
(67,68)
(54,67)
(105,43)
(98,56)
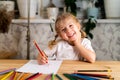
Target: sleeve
(87,44)
(50,52)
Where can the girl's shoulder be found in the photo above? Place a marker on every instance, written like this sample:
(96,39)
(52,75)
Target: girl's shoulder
(85,41)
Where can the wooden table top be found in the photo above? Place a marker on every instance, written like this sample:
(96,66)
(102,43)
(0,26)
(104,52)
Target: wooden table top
(69,66)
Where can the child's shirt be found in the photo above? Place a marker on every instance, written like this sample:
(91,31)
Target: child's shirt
(64,51)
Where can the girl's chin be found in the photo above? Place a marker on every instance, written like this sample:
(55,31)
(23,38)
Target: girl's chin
(72,38)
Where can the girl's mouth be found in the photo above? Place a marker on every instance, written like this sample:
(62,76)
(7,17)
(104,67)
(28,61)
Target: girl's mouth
(71,35)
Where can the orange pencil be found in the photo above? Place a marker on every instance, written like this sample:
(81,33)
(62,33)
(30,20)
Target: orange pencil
(16,75)
(20,76)
(40,51)
(25,76)
(35,43)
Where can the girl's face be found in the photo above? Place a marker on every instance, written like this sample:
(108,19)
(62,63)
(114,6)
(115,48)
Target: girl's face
(69,30)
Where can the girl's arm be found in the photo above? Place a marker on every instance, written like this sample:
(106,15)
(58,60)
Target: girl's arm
(85,49)
(89,55)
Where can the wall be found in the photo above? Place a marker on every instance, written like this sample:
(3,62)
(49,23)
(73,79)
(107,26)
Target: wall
(106,41)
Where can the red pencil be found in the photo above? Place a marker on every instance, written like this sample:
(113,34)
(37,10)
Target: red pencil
(34,76)
(40,51)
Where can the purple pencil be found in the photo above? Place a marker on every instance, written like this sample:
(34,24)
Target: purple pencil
(6,71)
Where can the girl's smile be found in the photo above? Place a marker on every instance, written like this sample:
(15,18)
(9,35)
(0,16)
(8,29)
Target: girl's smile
(72,36)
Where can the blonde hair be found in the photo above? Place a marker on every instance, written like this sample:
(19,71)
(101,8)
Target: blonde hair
(59,21)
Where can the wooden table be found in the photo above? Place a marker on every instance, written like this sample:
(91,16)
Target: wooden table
(69,66)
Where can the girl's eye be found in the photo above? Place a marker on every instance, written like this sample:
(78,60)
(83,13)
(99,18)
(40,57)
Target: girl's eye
(63,30)
(70,26)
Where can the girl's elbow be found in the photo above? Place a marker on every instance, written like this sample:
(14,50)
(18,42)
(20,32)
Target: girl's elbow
(92,61)
(93,58)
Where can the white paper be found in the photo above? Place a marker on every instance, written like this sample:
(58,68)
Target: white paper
(33,67)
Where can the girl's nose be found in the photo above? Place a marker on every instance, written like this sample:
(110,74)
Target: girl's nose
(68,31)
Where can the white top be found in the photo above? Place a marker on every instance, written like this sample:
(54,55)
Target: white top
(64,51)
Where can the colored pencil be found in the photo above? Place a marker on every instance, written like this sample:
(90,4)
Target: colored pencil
(21,74)
(95,75)
(70,77)
(84,77)
(1,76)
(40,51)
(48,77)
(35,43)
(24,76)
(33,76)
(13,75)
(52,76)
(58,77)
(94,70)
(16,75)
(6,71)
(7,75)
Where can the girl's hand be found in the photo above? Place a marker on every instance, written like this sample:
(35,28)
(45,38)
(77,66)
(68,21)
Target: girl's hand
(42,59)
(78,39)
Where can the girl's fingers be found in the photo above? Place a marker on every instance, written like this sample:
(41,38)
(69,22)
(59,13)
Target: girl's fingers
(41,62)
(41,59)
(44,55)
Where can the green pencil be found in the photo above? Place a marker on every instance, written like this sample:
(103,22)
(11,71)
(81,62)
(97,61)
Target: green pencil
(52,76)
(58,77)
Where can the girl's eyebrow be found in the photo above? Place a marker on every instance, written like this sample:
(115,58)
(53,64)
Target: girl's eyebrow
(61,27)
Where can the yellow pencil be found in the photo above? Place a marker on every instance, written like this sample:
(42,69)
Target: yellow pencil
(1,76)
(24,76)
(21,74)
(17,75)
(7,75)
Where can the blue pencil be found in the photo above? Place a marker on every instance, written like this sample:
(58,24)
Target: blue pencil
(70,77)
(84,77)
(95,75)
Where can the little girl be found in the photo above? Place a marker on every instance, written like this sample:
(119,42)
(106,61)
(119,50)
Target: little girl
(72,44)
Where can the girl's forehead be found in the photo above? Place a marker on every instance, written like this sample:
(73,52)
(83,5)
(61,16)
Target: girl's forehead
(66,22)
